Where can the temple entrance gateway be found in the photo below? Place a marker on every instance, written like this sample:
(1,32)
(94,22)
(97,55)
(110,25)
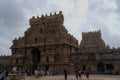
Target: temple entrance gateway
(83,68)
(36,56)
(47,70)
(109,68)
(100,67)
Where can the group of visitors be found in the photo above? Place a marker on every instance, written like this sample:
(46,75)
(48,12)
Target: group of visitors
(39,73)
(77,74)
(4,74)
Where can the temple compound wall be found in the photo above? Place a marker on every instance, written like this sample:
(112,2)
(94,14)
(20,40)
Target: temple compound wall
(5,62)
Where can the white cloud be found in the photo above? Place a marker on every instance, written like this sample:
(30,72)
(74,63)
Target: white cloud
(111,22)
(4,46)
(81,7)
(64,5)
(110,4)
(102,15)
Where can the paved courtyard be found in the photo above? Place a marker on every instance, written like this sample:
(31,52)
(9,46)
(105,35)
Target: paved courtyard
(72,77)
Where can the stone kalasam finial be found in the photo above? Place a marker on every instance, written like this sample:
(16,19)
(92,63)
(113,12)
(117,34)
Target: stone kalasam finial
(15,39)
(33,17)
(60,12)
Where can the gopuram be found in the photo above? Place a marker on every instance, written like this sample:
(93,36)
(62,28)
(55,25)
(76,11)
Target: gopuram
(46,45)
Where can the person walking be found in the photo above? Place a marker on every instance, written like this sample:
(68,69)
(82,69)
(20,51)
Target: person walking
(36,73)
(76,74)
(42,73)
(3,75)
(87,74)
(6,74)
(65,74)
(79,74)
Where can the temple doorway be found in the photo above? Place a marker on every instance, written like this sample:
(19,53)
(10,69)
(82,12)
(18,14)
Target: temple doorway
(36,56)
(100,67)
(47,71)
(109,68)
(83,69)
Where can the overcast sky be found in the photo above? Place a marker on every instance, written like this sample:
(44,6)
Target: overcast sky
(79,16)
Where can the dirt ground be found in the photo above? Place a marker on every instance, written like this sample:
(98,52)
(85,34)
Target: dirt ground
(72,77)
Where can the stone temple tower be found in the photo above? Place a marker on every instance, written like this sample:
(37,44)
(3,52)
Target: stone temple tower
(92,42)
(46,45)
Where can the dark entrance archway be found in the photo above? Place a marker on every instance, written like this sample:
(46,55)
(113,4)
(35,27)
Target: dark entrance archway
(109,68)
(36,57)
(46,69)
(84,68)
(101,67)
